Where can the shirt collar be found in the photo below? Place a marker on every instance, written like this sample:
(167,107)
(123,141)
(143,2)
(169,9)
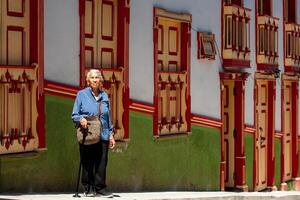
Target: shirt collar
(99,95)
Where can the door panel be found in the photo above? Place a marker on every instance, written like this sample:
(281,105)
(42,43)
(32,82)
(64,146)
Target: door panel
(15,35)
(261,136)
(287,137)
(228,117)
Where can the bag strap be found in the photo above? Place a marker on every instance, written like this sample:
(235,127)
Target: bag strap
(99,114)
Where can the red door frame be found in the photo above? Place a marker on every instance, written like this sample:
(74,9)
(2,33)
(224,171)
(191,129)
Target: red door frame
(37,56)
(239,124)
(295,106)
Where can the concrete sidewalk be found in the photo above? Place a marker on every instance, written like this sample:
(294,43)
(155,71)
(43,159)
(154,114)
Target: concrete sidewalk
(290,195)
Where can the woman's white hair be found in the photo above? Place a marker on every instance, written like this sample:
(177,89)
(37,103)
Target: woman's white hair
(93,72)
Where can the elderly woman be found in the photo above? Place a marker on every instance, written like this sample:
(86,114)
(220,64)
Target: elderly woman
(94,157)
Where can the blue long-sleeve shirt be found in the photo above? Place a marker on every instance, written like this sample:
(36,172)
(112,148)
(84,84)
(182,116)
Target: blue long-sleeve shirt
(86,105)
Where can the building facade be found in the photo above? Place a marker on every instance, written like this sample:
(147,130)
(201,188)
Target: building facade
(204,94)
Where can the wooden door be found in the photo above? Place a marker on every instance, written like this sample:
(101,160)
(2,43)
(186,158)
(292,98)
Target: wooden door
(15,35)
(228,116)
(261,114)
(287,132)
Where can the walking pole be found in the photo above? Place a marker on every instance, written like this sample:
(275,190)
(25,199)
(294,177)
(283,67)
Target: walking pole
(79,170)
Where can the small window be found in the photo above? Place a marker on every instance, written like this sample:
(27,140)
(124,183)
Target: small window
(206,46)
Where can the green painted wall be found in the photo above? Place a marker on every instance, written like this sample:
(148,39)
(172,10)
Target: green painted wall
(249,160)
(145,164)
(277,154)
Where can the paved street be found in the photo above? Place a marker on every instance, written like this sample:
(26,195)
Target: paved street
(291,195)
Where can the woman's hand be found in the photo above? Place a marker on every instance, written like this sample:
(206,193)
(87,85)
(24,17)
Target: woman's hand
(112,141)
(83,123)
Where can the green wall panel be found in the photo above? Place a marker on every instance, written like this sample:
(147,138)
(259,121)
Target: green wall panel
(277,154)
(143,164)
(249,160)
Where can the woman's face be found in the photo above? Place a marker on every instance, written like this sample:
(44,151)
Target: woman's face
(94,81)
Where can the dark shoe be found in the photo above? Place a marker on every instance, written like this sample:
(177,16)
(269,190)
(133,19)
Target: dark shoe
(104,193)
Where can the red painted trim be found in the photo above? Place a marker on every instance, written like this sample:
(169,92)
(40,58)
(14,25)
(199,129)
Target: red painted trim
(82,42)
(239,147)
(15,29)
(160,27)
(123,10)
(266,67)
(16,67)
(270,134)
(295,106)
(250,130)
(233,76)
(14,13)
(282,171)
(59,89)
(185,66)
(255,100)
(291,69)
(142,107)
(91,35)
(37,56)
(155,71)
(229,63)
(278,135)
(107,37)
(206,121)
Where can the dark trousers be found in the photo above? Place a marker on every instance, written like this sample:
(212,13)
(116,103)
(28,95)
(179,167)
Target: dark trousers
(94,161)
